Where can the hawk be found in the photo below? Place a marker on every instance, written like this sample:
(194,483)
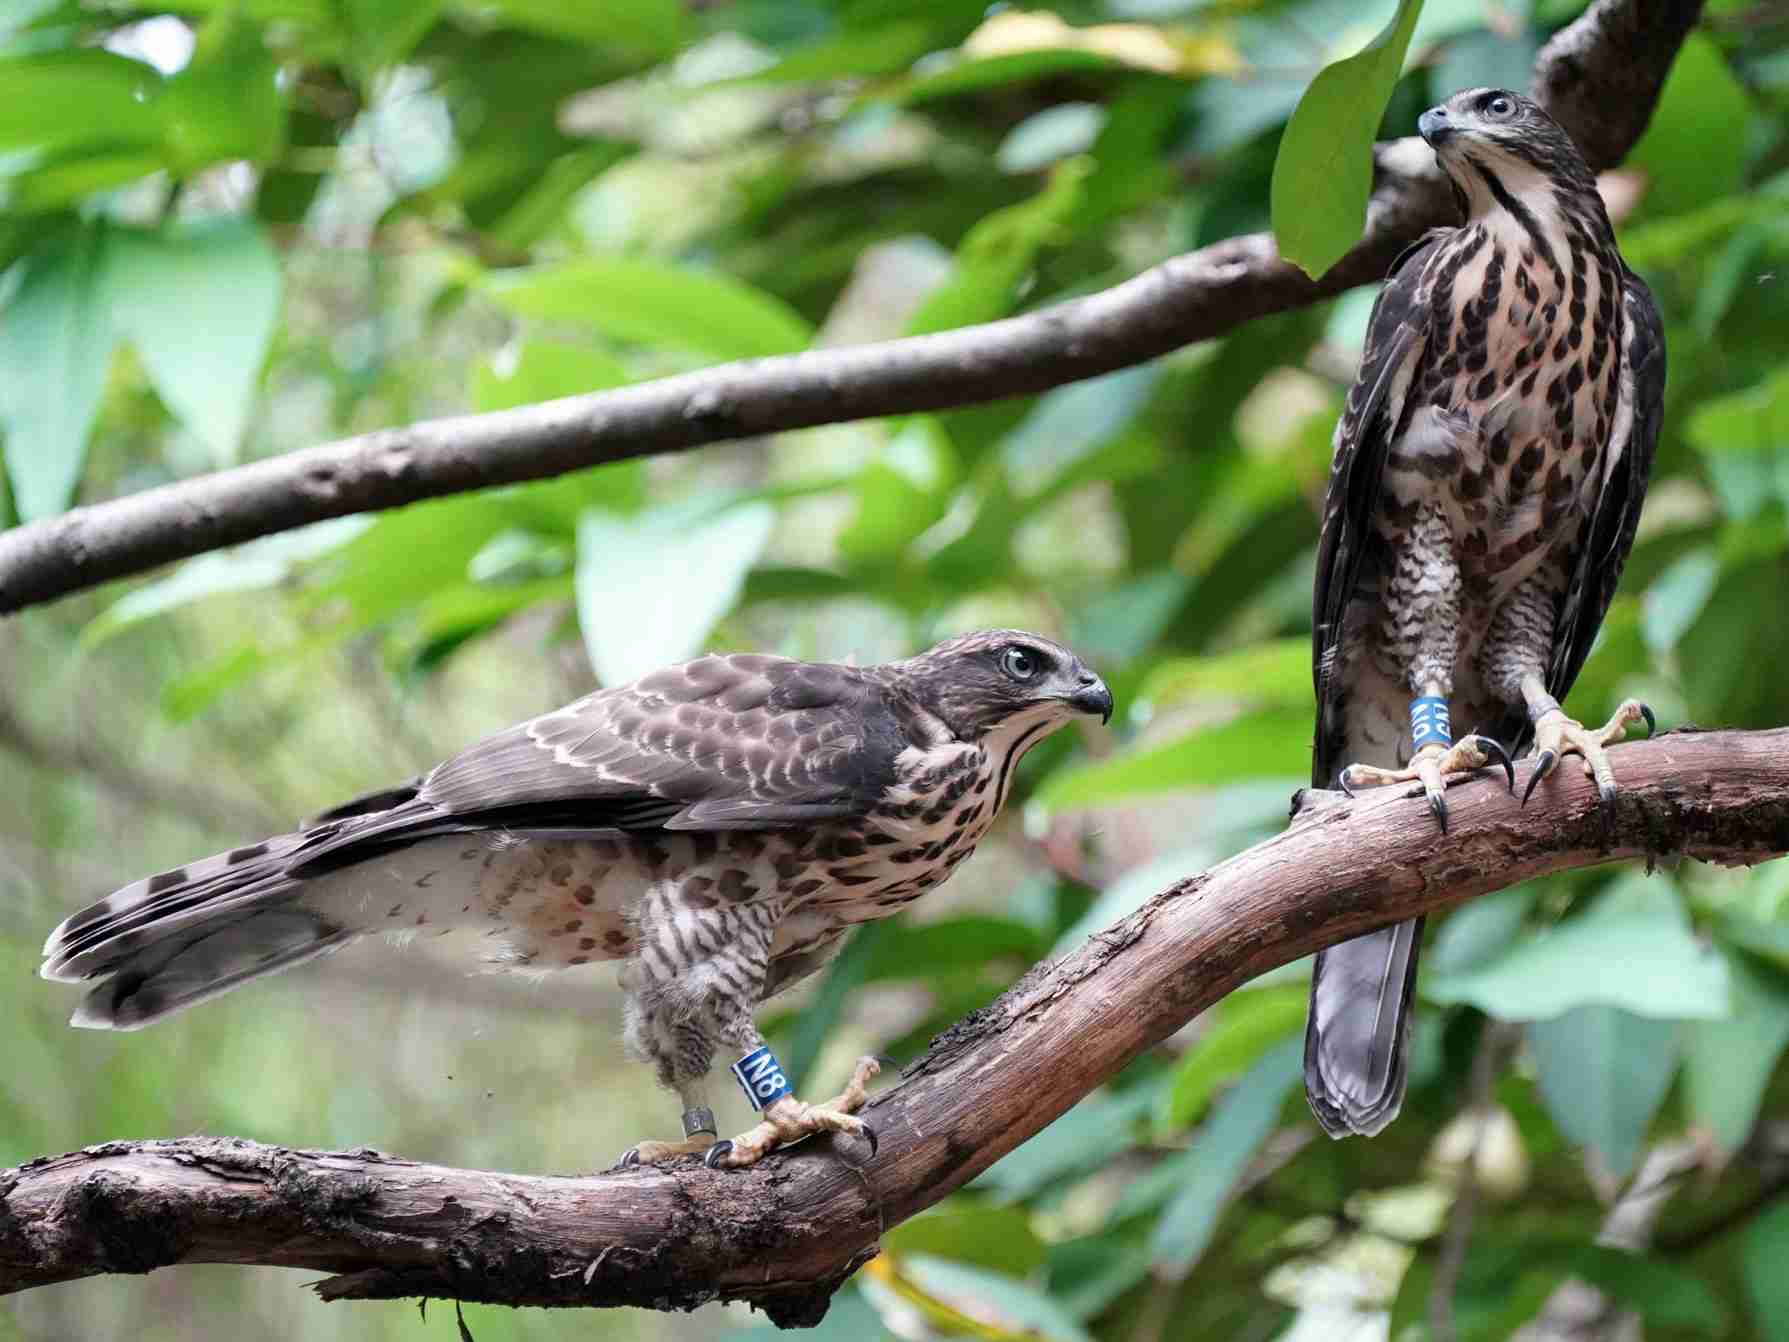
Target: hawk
(1489,470)
(717,827)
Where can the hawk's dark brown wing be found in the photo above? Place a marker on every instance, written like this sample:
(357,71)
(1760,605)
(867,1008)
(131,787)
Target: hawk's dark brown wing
(1397,334)
(737,742)
(1632,441)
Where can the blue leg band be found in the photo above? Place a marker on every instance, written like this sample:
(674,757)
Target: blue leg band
(1428,722)
(761,1077)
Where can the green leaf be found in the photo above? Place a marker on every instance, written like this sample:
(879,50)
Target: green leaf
(199,304)
(971,941)
(999,1239)
(56,338)
(1632,949)
(69,176)
(1479,932)
(1055,133)
(192,692)
(1019,67)
(1753,420)
(1079,1140)
(1241,1028)
(1239,1123)
(1603,1073)
(1666,1297)
(1762,1254)
(1273,743)
(1768,941)
(994,1299)
(1274,673)
(406,556)
(244,568)
(1509,1274)
(1501,1287)
(1324,172)
(827,1004)
(892,511)
(1729,1063)
(653,304)
(385,31)
(1069,423)
(650,587)
(853,53)
(447,618)
(226,104)
(1694,149)
(77,97)
(542,370)
(540,208)
(1131,891)
(999,252)
(644,27)
(1676,598)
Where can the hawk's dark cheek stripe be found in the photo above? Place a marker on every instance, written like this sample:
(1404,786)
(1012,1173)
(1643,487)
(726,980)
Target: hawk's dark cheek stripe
(1012,753)
(1520,212)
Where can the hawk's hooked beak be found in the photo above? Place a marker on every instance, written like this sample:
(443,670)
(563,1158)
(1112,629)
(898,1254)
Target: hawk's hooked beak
(1435,127)
(1091,696)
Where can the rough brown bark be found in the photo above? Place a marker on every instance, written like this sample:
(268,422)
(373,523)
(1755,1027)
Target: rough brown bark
(785,1234)
(1600,76)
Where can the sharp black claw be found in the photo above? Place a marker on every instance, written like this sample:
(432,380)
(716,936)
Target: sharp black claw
(1608,793)
(1342,782)
(1652,723)
(1497,752)
(717,1153)
(870,1135)
(1542,767)
(886,1059)
(1438,804)
(630,1157)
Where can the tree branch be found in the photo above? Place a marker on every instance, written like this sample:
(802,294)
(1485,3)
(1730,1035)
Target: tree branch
(784,1235)
(1600,76)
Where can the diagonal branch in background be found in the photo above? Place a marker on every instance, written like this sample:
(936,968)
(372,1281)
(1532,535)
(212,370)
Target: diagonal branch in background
(1600,76)
(785,1234)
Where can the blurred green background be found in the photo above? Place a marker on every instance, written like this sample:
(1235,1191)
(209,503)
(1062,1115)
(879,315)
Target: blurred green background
(233,230)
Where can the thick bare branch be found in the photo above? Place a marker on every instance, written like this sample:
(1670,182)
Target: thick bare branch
(785,1234)
(1600,76)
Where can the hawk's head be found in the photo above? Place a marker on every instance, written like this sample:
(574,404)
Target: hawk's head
(1501,150)
(977,683)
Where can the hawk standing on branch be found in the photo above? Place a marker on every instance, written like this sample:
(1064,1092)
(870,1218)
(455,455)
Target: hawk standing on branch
(717,826)
(1489,471)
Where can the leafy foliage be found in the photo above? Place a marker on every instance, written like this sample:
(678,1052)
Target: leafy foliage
(233,230)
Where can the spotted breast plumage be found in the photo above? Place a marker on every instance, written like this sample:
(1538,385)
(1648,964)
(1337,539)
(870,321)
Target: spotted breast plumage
(1489,472)
(717,827)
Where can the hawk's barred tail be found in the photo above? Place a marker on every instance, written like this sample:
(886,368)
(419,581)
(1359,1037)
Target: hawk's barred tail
(1357,1036)
(184,971)
(183,936)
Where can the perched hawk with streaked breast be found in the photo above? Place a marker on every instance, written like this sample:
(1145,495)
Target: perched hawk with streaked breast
(1488,476)
(717,827)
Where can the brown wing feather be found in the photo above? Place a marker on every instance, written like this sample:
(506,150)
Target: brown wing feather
(1397,331)
(719,743)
